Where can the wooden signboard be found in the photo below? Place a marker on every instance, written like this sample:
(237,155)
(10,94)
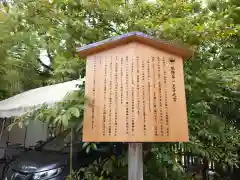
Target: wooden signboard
(135,86)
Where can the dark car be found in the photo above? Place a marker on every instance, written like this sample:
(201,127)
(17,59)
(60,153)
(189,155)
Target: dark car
(51,160)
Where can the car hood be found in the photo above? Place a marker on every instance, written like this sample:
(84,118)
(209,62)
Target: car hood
(34,161)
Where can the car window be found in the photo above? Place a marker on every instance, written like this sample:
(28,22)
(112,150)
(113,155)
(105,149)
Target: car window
(62,142)
(76,147)
(59,142)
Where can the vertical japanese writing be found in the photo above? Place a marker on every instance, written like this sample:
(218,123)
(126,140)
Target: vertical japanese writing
(104,97)
(110,99)
(143,98)
(132,87)
(160,96)
(173,75)
(121,86)
(126,85)
(116,97)
(154,99)
(138,77)
(166,96)
(148,76)
(94,92)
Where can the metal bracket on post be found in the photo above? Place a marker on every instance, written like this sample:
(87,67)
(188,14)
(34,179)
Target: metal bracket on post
(135,161)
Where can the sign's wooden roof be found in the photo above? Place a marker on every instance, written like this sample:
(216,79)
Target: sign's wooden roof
(131,37)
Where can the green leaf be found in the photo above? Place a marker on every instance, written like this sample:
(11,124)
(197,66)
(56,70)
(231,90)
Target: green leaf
(85,145)
(74,111)
(94,146)
(65,119)
(12,125)
(88,149)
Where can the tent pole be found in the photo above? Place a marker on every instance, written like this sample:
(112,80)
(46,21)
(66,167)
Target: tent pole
(3,125)
(25,136)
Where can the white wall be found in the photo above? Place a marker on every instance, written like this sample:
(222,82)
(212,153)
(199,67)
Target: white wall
(16,135)
(36,131)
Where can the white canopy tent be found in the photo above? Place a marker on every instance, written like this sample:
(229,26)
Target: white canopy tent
(26,102)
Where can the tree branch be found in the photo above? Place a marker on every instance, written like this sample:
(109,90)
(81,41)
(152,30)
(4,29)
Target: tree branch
(50,56)
(44,65)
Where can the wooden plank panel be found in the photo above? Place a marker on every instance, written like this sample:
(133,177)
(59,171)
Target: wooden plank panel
(99,91)
(87,130)
(138,96)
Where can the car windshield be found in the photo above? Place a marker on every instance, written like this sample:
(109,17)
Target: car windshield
(59,142)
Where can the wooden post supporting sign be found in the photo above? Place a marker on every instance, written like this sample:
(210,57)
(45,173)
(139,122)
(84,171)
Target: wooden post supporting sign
(135,85)
(135,161)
